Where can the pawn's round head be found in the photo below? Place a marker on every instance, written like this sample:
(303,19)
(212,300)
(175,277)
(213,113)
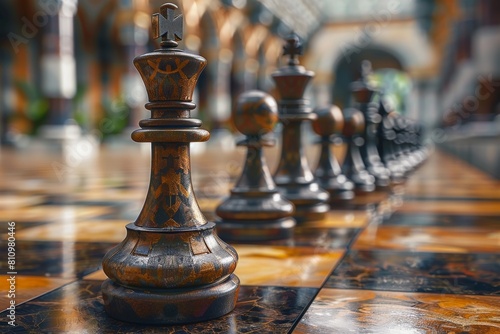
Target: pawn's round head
(354,122)
(329,121)
(256,113)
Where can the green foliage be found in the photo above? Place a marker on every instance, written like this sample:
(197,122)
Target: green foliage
(115,117)
(113,121)
(38,106)
(397,87)
(80,115)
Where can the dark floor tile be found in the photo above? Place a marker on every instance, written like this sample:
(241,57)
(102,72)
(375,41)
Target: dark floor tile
(476,274)
(324,238)
(447,198)
(442,220)
(4,227)
(58,259)
(329,238)
(78,308)
(368,311)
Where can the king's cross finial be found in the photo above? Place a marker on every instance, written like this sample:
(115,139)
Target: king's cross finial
(293,47)
(167,25)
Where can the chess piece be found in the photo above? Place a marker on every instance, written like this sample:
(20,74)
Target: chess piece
(412,149)
(353,166)
(363,92)
(328,124)
(420,150)
(293,175)
(386,136)
(171,268)
(401,139)
(255,210)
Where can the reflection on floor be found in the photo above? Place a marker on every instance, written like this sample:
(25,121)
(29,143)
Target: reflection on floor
(425,258)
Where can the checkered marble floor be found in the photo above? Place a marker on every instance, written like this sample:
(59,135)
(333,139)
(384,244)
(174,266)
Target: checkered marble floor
(424,258)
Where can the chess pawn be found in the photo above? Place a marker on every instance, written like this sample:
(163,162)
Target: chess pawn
(412,144)
(353,166)
(386,136)
(401,153)
(255,210)
(328,124)
(171,268)
(293,175)
(417,146)
(363,92)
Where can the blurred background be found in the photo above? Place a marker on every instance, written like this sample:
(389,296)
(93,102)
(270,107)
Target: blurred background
(66,70)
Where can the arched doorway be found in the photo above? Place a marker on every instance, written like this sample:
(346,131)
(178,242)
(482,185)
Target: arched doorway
(347,70)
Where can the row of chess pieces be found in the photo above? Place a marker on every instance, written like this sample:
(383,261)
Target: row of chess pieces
(382,149)
(172,268)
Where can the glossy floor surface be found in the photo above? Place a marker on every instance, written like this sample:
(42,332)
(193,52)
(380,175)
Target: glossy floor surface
(422,259)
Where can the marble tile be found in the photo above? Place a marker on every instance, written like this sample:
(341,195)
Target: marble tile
(78,308)
(342,219)
(365,311)
(438,198)
(474,274)
(117,195)
(442,220)
(13,200)
(444,190)
(285,266)
(323,238)
(430,239)
(486,208)
(28,287)
(81,231)
(373,197)
(52,213)
(98,275)
(57,258)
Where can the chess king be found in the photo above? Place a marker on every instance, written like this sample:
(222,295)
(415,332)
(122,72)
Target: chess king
(293,176)
(171,268)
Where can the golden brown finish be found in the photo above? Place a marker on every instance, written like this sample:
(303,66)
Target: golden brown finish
(28,287)
(293,175)
(255,210)
(171,267)
(353,166)
(358,311)
(430,239)
(328,125)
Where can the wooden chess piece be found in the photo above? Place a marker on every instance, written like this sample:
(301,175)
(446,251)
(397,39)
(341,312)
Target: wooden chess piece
(418,147)
(328,125)
(353,166)
(171,268)
(386,136)
(363,92)
(401,155)
(293,175)
(255,210)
